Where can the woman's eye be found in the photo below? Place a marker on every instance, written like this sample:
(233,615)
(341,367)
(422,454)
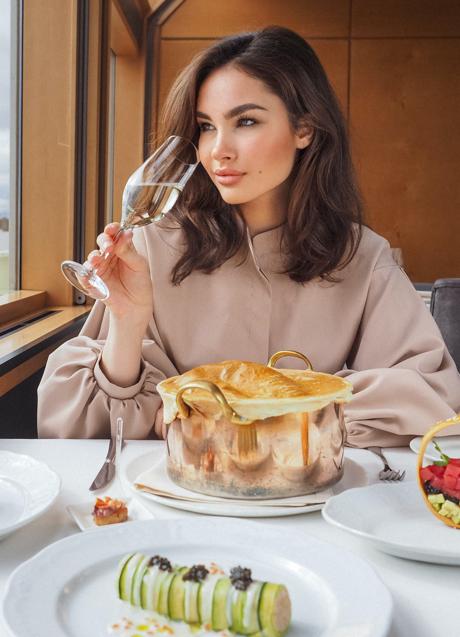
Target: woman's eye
(246,121)
(204,126)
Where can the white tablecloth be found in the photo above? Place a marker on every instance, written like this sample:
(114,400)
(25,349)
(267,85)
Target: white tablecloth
(426,596)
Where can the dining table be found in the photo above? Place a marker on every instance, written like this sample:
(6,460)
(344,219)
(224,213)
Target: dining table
(425,595)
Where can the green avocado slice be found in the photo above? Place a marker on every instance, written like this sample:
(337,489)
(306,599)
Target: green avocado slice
(121,575)
(238,604)
(138,578)
(219,604)
(250,617)
(163,596)
(191,610)
(127,576)
(147,588)
(176,595)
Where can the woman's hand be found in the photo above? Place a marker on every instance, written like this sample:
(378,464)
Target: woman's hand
(126,274)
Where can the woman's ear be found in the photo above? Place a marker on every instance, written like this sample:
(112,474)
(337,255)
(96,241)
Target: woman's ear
(304,133)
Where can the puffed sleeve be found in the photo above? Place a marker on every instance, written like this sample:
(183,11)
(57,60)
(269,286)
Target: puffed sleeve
(76,399)
(404,379)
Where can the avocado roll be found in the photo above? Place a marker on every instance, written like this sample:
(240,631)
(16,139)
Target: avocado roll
(197,596)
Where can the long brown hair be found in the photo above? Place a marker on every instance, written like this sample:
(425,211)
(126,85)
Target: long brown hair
(319,236)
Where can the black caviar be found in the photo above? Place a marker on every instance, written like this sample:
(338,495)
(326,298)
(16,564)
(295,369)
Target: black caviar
(197,573)
(429,489)
(162,562)
(241,577)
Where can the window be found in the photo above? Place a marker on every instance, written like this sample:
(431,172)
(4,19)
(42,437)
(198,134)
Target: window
(9,219)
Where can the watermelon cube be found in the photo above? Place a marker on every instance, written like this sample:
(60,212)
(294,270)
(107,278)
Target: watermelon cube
(426,474)
(452,470)
(450,482)
(438,470)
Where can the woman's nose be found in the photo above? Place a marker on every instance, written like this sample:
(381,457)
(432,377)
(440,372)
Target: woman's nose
(223,148)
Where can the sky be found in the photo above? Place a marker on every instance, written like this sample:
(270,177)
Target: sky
(5,78)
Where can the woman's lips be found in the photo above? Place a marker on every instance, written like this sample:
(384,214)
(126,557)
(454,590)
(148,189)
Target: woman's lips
(228,180)
(228,177)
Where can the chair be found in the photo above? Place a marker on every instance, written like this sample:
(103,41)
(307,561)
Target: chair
(445,308)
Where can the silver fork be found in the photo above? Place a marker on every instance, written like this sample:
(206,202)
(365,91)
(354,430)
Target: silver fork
(387,472)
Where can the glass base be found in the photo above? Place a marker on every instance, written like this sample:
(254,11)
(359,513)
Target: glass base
(85,280)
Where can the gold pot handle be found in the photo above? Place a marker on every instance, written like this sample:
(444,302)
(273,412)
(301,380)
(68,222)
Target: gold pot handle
(275,358)
(229,413)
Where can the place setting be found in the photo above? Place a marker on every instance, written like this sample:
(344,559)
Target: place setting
(230,457)
(413,520)
(110,504)
(147,477)
(264,456)
(28,488)
(98,583)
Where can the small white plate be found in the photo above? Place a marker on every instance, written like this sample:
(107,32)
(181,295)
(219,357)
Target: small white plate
(82,513)
(394,517)
(354,475)
(27,489)
(449,444)
(68,587)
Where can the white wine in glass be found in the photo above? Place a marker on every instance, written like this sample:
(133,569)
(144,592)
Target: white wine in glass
(150,193)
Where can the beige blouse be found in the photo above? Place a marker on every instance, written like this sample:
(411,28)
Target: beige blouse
(371,327)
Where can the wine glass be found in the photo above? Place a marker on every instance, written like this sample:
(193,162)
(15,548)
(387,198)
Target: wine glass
(150,193)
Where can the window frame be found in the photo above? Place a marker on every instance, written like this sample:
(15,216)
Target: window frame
(63,131)
(14,256)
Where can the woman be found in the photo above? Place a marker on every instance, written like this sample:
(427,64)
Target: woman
(265,251)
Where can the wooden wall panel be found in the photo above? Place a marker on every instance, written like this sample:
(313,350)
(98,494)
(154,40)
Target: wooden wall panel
(210,19)
(334,56)
(129,123)
(405,105)
(49,146)
(394,65)
(405,18)
(176,54)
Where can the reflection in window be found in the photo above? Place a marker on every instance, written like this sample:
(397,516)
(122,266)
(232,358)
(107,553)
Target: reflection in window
(8,125)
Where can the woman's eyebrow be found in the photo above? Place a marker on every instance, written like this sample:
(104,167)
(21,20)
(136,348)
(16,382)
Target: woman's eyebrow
(237,110)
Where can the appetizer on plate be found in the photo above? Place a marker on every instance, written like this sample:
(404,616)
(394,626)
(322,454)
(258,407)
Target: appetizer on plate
(109,511)
(440,481)
(205,596)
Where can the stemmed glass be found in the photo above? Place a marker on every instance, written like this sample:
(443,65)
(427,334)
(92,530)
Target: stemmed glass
(150,193)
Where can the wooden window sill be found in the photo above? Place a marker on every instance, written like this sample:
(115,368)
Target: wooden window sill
(25,347)
(16,304)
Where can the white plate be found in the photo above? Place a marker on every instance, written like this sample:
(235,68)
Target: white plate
(449,444)
(354,475)
(68,588)
(27,488)
(394,517)
(82,513)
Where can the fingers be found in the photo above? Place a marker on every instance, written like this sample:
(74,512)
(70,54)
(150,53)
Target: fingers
(112,241)
(107,239)
(101,263)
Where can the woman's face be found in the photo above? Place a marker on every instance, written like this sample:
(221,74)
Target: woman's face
(247,144)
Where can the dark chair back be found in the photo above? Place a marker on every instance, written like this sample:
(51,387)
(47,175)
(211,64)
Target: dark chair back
(445,308)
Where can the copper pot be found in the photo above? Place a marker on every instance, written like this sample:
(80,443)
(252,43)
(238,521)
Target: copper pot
(219,446)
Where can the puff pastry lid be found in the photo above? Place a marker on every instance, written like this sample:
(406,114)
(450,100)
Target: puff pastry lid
(255,391)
